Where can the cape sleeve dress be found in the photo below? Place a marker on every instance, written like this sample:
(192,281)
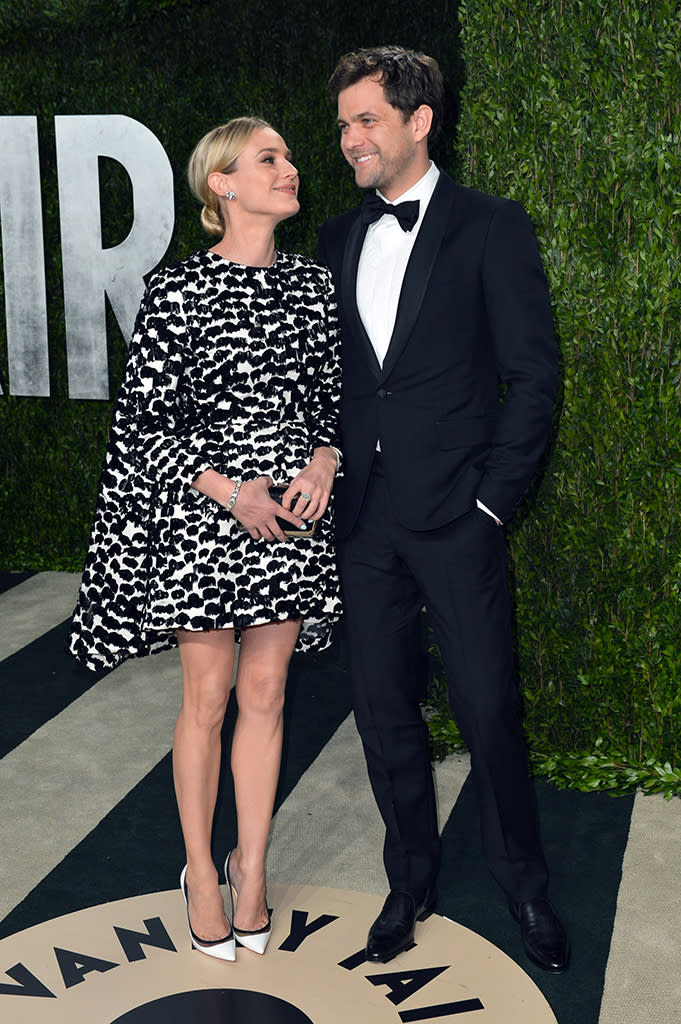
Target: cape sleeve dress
(232,368)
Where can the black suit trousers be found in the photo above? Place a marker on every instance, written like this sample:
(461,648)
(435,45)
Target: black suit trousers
(459,572)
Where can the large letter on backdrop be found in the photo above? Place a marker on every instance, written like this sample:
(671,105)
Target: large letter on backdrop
(89,270)
(22,257)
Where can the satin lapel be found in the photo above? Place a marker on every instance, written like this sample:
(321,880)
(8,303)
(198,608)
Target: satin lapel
(353,248)
(419,269)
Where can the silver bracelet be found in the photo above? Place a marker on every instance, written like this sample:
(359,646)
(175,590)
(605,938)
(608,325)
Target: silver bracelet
(235,495)
(337,453)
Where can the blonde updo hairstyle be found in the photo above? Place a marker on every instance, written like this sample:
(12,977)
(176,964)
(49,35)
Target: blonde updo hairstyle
(218,150)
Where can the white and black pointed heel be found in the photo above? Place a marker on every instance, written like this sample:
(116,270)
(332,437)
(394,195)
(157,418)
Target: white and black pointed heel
(255,940)
(221,949)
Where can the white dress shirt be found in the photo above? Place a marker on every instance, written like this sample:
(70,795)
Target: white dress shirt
(382,264)
(381,268)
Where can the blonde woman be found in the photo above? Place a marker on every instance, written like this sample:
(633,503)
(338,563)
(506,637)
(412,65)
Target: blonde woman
(231,386)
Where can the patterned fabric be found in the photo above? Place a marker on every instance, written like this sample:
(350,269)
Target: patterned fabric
(236,369)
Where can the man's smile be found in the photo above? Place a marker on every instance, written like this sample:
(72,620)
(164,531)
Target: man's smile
(363,157)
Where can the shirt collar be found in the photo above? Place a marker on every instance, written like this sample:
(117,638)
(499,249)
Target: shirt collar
(422,190)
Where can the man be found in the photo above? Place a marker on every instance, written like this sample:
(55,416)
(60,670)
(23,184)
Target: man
(442,294)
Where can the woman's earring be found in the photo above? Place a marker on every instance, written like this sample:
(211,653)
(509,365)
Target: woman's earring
(230,195)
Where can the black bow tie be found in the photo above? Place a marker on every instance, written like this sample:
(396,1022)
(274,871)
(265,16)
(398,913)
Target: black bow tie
(374,207)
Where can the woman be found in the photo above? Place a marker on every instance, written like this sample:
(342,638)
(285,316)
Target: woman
(232,384)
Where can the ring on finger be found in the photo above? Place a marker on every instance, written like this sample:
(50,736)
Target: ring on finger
(307,497)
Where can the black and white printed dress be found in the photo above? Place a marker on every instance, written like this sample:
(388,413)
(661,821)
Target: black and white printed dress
(231,368)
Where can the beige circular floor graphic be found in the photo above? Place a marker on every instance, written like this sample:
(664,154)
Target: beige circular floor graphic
(131,962)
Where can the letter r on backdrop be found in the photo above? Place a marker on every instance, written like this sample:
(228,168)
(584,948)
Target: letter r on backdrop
(90,272)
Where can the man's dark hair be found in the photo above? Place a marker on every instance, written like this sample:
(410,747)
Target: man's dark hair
(409,79)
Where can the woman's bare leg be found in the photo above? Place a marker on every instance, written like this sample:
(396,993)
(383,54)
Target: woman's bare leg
(256,758)
(207,669)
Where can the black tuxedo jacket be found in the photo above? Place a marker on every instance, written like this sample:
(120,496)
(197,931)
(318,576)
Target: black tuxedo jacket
(474,310)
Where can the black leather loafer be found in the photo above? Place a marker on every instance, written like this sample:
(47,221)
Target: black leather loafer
(543,935)
(393,930)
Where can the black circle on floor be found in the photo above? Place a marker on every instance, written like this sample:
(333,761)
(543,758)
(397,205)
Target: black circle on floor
(216,1006)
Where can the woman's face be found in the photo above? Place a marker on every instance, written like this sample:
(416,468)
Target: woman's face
(265,180)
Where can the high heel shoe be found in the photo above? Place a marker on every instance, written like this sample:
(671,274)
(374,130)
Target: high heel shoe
(255,940)
(221,949)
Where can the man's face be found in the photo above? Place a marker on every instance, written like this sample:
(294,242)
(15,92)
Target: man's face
(378,144)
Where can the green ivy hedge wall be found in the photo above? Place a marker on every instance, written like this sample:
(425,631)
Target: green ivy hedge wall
(570,107)
(574,108)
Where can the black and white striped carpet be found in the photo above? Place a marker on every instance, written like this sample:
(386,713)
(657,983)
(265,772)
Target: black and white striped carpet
(88,817)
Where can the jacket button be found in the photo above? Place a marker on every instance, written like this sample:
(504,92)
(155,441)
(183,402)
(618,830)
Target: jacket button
(382,393)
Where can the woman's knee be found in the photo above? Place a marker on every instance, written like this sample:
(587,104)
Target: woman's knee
(205,702)
(261,692)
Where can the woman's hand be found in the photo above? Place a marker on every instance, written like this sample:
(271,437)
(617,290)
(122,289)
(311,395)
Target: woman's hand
(308,493)
(258,513)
